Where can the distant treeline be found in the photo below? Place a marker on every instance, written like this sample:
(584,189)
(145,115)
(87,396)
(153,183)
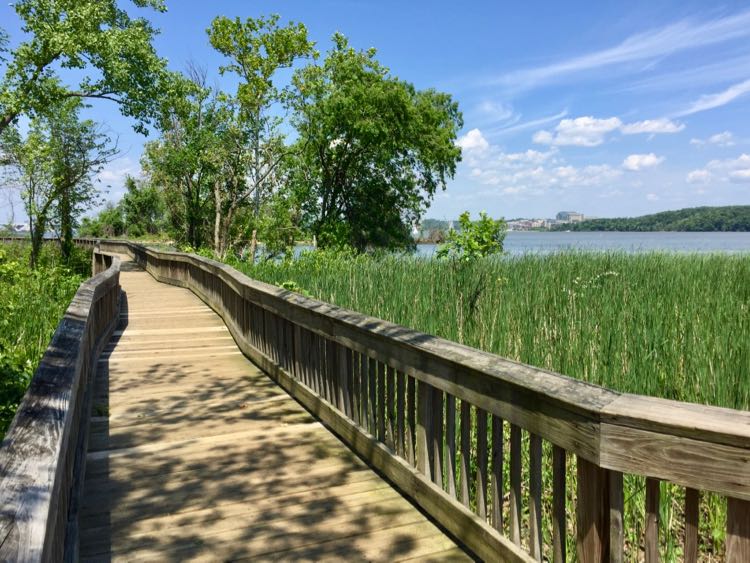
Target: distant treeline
(728,218)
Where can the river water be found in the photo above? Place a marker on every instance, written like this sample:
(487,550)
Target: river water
(523,242)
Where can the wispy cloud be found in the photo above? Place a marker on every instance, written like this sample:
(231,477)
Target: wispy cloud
(647,46)
(725,139)
(589,131)
(636,162)
(711,101)
(531,124)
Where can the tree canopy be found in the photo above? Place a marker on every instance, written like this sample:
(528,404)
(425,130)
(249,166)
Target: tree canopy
(727,218)
(97,36)
(372,149)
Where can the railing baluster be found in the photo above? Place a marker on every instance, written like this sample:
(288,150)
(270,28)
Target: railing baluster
(372,369)
(592,512)
(515,484)
(465,452)
(400,398)
(481,464)
(411,409)
(364,383)
(738,530)
(355,383)
(497,473)
(390,407)
(692,499)
(652,520)
(559,519)
(535,496)
(382,411)
(437,437)
(424,429)
(616,524)
(450,444)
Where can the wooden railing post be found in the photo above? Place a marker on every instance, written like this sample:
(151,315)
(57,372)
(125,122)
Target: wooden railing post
(592,513)
(738,530)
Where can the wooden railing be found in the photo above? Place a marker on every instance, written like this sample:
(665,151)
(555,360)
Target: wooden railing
(43,455)
(445,422)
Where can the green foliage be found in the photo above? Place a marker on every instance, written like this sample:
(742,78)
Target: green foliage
(728,218)
(32,304)
(56,164)
(372,150)
(108,223)
(95,39)
(474,239)
(143,208)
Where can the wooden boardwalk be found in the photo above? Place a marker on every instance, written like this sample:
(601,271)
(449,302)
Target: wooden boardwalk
(196,454)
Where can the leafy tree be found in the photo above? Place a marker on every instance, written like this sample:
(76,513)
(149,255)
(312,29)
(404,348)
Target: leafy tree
(252,145)
(372,149)
(474,239)
(95,36)
(108,223)
(56,164)
(142,208)
(185,160)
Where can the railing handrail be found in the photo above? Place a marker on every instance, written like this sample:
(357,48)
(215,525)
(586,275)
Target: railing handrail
(42,452)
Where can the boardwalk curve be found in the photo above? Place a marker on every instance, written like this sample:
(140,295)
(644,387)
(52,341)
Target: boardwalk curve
(195,453)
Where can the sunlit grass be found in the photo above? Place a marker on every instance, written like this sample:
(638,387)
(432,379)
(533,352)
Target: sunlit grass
(31,305)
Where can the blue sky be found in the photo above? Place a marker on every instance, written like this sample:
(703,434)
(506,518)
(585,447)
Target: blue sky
(607,108)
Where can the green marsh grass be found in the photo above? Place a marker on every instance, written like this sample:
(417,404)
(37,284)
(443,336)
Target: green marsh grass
(31,305)
(675,326)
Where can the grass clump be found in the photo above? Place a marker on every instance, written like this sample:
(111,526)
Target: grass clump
(32,303)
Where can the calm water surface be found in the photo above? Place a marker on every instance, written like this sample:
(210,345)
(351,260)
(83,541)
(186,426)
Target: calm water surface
(520,242)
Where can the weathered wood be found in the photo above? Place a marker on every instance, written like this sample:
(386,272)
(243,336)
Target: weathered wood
(372,369)
(535,496)
(692,498)
(400,414)
(390,407)
(42,457)
(212,470)
(382,408)
(592,513)
(437,437)
(616,523)
(559,516)
(738,530)
(481,482)
(424,430)
(465,452)
(497,473)
(651,534)
(364,382)
(450,445)
(411,425)
(515,484)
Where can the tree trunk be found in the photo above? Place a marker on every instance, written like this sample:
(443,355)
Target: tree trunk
(218,250)
(66,224)
(253,246)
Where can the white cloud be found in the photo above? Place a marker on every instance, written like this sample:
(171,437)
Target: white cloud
(498,111)
(117,170)
(637,162)
(647,46)
(473,141)
(533,172)
(701,176)
(740,176)
(652,197)
(505,129)
(661,125)
(711,101)
(725,139)
(735,170)
(584,131)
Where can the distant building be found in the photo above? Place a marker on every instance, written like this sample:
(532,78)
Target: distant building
(570,217)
